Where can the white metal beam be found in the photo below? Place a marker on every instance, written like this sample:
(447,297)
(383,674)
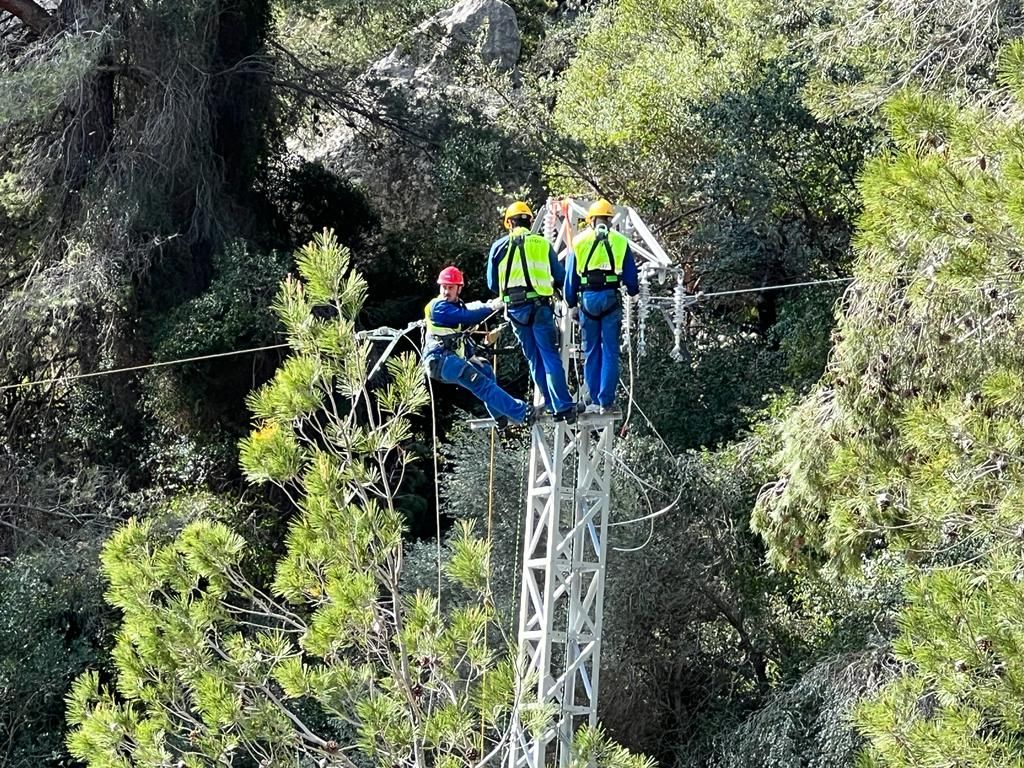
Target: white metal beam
(562,590)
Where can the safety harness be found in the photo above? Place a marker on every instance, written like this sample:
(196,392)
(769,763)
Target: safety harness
(519,295)
(448,338)
(599,279)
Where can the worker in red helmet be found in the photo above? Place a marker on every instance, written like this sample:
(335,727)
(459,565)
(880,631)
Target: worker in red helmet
(447,354)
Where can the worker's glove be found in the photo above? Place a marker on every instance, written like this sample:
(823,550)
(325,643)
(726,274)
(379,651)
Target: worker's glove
(574,314)
(495,304)
(474,305)
(491,337)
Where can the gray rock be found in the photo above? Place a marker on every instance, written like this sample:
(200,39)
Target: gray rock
(489,24)
(419,78)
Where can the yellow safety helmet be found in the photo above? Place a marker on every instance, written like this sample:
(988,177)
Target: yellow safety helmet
(600,208)
(518,208)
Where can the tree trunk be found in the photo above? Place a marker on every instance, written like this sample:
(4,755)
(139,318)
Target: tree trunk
(32,15)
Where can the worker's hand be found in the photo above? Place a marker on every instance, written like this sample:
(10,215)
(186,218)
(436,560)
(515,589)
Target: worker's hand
(574,314)
(491,337)
(495,304)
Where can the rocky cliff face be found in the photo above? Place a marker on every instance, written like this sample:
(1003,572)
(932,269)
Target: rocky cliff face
(486,30)
(423,107)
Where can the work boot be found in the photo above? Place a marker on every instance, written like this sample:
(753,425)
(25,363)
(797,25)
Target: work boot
(568,415)
(501,422)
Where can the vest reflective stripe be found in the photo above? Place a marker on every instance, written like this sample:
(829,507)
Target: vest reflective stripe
(436,334)
(592,255)
(533,253)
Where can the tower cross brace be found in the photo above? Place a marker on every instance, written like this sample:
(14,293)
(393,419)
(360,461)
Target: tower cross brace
(562,592)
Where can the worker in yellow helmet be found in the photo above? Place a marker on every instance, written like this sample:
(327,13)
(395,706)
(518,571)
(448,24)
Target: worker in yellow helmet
(600,262)
(524,271)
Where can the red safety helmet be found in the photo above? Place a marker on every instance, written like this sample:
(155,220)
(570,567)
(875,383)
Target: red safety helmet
(450,276)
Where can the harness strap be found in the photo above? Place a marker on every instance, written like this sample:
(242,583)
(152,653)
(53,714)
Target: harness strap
(600,315)
(516,245)
(609,277)
(608,250)
(533,314)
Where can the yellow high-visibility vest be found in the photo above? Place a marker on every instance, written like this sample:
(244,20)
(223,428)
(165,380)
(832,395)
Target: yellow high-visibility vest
(436,333)
(599,262)
(526,264)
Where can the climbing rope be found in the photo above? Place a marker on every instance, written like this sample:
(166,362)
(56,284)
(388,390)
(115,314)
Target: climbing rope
(437,479)
(490,543)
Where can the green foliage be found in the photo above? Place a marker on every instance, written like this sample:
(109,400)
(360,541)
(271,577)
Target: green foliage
(349,33)
(593,747)
(34,90)
(960,635)
(867,51)
(231,311)
(230,314)
(898,442)
(909,445)
(133,139)
(807,723)
(209,664)
(53,626)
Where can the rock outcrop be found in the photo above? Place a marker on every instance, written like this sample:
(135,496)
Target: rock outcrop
(416,87)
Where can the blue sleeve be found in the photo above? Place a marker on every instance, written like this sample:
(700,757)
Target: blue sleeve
(557,270)
(630,277)
(497,248)
(572,280)
(449,315)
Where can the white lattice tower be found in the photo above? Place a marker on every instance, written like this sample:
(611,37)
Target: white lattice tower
(562,593)
(565,534)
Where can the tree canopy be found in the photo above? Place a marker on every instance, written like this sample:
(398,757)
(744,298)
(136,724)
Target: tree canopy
(262,543)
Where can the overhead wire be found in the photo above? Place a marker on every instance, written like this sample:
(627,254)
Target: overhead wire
(377,334)
(699,296)
(252,350)
(142,367)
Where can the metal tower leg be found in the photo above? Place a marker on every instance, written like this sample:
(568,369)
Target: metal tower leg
(562,594)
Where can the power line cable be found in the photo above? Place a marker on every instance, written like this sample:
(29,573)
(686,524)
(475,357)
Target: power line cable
(143,367)
(376,333)
(701,295)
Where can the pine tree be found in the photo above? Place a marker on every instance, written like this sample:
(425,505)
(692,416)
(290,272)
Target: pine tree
(913,441)
(332,656)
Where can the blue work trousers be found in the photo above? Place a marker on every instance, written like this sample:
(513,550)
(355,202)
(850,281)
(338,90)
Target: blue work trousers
(534,326)
(601,344)
(478,377)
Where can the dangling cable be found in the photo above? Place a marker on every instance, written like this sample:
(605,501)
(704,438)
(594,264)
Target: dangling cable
(490,529)
(437,482)
(519,532)
(654,514)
